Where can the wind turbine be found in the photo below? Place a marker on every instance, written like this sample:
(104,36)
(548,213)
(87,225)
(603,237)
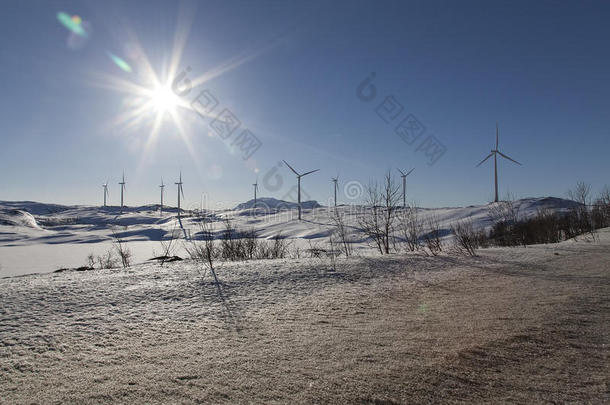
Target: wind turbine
(122,183)
(105,185)
(335,180)
(162,187)
(255,189)
(495,152)
(404,186)
(299,183)
(180,191)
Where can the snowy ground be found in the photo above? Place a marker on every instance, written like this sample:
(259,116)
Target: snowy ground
(36,237)
(514,325)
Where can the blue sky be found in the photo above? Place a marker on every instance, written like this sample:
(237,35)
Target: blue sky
(289,71)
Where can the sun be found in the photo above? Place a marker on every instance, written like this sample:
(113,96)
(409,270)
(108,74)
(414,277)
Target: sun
(163,99)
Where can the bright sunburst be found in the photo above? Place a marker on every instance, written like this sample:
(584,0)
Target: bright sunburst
(164,100)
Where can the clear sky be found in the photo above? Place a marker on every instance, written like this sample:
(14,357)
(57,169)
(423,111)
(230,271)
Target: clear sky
(72,118)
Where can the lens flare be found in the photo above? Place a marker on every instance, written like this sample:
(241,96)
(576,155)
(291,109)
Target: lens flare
(72,23)
(124,66)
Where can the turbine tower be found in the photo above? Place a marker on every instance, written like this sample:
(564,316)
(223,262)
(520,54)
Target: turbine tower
(105,185)
(404,186)
(299,183)
(180,191)
(495,152)
(122,183)
(162,187)
(255,189)
(335,180)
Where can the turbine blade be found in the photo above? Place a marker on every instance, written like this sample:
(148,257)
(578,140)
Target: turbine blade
(410,171)
(313,171)
(511,159)
(496,136)
(488,156)
(295,172)
(182,191)
(400,172)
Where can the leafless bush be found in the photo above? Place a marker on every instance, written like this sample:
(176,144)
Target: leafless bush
(342,233)
(432,236)
(250,244)
(506,211)
(279,247)
(378,222)
(107,260)
(203,250)
(467,239)
(411,228)
(580,216)
(122,250)
(601,209)
(91,260)
(168,244)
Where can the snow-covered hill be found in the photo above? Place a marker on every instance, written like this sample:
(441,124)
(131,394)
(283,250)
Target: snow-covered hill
(37,237)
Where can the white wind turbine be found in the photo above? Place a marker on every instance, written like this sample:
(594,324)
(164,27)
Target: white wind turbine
(122,184)
(105,186)
(180,191)
(404,186)
(494,153)
(299,183)
(255,190)
(335,180)
(162,187)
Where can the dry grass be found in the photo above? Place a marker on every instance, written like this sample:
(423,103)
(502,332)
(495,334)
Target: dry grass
(529,327)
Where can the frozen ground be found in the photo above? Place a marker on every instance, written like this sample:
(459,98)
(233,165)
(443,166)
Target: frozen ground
(514,325)
(36,237)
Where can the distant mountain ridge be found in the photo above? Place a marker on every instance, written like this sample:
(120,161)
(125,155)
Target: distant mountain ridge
(275,204)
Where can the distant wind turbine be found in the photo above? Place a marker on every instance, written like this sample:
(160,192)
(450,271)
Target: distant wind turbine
(404,186)
(255,190)
(105,185)
(494,153)
(122,183)
(335,180)
(162,187)
(299,183)
(180,191)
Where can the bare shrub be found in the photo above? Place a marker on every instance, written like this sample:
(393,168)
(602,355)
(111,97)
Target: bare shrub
(91,260)
(378,222)
(601,209)
(467,239)
(250,244)
(432,236)
(580,217)
(121,248)
(411,228)
(202,249)
(107,260)
(168,244)
(342,233)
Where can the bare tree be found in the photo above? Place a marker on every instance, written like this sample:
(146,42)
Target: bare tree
(580,214)
(378,222)
(581,193)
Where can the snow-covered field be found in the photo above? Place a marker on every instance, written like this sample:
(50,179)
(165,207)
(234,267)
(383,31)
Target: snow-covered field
(513,325)
(36,237)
